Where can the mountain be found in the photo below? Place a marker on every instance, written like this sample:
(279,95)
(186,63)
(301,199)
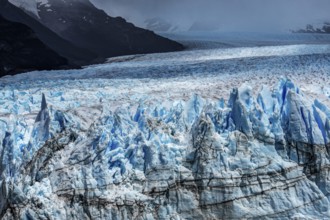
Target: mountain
(323,29)
(21,50)
(81,33)
(75,55)
(86,26)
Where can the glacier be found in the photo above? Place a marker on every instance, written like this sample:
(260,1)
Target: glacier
(186,135)
(251,157)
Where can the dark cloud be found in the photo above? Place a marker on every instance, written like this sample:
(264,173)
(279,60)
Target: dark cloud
(226,14)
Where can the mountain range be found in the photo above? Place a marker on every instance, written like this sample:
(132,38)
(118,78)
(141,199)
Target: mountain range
(319,29)
(78,32)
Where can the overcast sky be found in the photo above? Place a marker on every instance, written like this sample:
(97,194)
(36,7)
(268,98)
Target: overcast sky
(226,14)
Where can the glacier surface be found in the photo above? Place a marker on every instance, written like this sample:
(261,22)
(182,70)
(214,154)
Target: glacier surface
(237,133)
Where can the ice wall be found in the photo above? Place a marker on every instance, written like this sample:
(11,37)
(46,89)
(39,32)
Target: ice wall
(253,156)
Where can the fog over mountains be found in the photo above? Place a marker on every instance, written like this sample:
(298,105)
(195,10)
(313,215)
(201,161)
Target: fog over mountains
(226,15)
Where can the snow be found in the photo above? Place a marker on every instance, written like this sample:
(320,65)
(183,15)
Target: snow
(210,73)
(29,6)
(43,2)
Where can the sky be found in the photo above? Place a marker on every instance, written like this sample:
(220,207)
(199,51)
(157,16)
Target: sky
(226,15)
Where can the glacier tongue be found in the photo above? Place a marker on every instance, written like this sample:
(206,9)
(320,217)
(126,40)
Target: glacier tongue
(263,156)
